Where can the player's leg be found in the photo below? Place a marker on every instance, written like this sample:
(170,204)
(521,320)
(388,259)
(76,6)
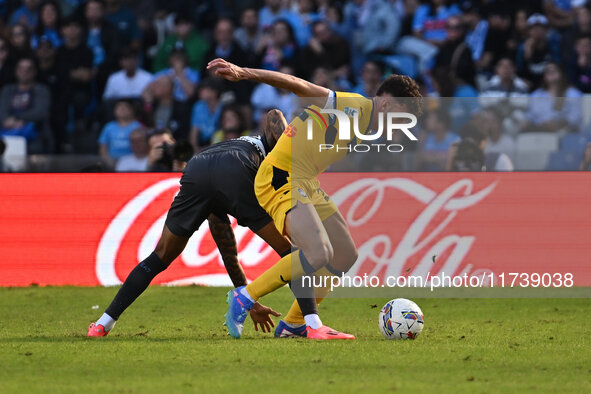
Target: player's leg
(305,297)
(169,247)
(305,230)
(345,255)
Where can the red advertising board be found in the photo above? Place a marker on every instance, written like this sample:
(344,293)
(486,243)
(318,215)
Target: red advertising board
(92,229)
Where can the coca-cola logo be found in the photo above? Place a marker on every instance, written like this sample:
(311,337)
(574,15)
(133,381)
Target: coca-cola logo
(364,200)
(253,250)
(387,256)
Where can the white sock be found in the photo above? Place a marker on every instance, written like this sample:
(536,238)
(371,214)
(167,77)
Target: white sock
(313,321)
(106,321)
(244,292)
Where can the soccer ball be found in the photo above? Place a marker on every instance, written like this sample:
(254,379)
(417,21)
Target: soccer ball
(401,319)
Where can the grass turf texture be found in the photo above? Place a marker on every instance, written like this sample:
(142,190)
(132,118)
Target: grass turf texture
(172,340)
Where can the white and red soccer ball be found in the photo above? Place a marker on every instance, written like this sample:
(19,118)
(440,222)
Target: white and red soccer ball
(401,319)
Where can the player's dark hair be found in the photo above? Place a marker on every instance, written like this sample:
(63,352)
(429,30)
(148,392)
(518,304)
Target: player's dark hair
(399,86)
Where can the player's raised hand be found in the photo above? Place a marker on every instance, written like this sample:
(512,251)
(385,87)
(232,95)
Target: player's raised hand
(227,70)
(261,315)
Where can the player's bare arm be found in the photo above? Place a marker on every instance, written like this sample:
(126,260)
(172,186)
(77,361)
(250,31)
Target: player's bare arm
(297,86)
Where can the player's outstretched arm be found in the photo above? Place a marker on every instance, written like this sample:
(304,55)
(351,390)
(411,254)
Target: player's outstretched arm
(223,235)
(298,86)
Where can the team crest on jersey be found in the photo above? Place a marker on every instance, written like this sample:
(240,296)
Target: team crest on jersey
(290,130)
(351,111)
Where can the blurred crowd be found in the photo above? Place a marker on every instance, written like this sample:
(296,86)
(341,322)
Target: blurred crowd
(127,79)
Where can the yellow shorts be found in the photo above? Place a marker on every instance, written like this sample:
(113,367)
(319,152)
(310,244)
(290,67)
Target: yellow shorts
(277,193)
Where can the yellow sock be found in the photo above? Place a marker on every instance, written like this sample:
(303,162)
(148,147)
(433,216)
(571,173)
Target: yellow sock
(276,276)
(295,316)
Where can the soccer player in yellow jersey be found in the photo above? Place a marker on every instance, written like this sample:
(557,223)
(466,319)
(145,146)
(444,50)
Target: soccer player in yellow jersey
(287,187)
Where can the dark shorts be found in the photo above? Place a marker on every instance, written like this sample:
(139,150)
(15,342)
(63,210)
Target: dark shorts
(219,184)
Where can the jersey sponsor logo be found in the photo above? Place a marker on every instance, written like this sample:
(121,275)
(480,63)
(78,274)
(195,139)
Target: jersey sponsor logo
(290,131)
(302,193)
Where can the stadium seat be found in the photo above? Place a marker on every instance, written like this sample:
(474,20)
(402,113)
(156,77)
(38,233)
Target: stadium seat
(533,150)
(564,161)
(573,142)
(15,155)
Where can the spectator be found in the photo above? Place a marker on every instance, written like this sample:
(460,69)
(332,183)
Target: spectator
(497,141)
(560,13)
(374,25)
(20,43)
(206,113)
(48,25)
(114,139)
(185,78)
(266,96)
(279,46)
(306,15)
(537,51)
(137,160)
(580,27)
(232,125)
(75,76)
(586,163)
(126,23)
(248,35)
(498,39)
(455,57)
(6,73)
(437,141)
(103,40)
(325,49)
(48,75)
(24,109)
(477,28)
(469,154)
(186,38)
(27,14)
(226,48)
(274,11)
(556,105)
(371,77)
(166,154)
(430,20)
(580,66)
(322,76)
(335,17)
(130,81)
(163,110)
(505,83)
(507,94)
(3,166)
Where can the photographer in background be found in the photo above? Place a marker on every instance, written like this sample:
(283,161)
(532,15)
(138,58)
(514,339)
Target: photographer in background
(166,154)
(469,153)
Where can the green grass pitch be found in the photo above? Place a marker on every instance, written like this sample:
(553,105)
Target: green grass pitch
(172,340)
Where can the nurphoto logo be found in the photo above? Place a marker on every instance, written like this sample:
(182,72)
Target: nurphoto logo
(402,121)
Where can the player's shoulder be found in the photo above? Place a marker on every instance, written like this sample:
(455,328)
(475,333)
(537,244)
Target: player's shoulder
(345,100)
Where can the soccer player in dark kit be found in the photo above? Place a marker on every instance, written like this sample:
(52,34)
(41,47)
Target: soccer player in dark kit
(216,182)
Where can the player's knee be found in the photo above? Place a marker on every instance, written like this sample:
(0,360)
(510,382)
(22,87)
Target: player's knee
(320,255)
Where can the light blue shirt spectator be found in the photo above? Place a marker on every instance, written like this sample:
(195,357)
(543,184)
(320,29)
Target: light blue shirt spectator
(205,120)
(543,108)
(177,90)
(300,29)
(433,145)
(433,26)
(116,138)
